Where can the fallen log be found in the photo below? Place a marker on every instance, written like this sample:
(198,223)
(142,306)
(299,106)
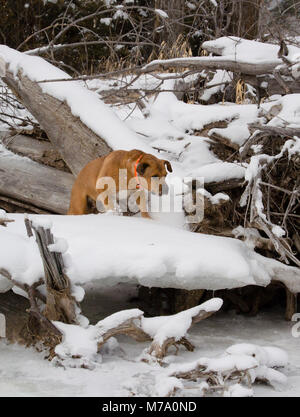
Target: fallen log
(276,130)
(15,206)
(78,124)
(76,143)
(37,150)
(216,187)
(35,184)
(213,63)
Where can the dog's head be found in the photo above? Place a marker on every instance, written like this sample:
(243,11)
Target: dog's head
(154,171)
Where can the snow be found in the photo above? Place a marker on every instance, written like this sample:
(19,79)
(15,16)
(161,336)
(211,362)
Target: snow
(219,76)
(266,355)
(220,171)
(176,326)
(148,253)
(289,114)
(115,320)
(161,13)
(244,50)
(79,344)
(60,245)
(106,21)
(237,390)
(20,257)
(165,385)
(154,253)
(3,215)
(169,126)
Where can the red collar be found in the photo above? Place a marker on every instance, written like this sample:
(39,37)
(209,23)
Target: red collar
(138,185)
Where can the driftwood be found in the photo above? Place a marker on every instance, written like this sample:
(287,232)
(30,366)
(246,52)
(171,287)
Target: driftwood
(133,328)
(16,206)
(3,222)
(60,304)
(159,350)
(133,323)
(216,187)
(37,150)
(35,315)
(130,327)
(211,63)
(276,130)
(35,184)
(76,143)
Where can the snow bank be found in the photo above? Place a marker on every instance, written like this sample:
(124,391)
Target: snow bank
(112,249)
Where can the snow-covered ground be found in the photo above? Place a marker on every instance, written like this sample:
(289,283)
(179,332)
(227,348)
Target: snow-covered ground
(25,372)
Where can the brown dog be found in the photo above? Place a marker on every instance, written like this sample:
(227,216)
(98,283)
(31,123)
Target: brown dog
(142,171)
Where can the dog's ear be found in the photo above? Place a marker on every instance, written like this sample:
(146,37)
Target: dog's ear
(141,168)
(169,166)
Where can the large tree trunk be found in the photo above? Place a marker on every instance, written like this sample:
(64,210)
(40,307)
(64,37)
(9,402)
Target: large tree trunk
(37,150)
(76,143)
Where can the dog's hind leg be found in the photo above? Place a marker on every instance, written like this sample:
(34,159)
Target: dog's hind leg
(78,202)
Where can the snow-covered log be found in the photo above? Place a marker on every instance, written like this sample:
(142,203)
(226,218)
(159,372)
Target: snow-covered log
(171,331)
(80,345)
(231,374)
(78,124)
(35,184)
(76,143)
(213,63)
(149,253)
(37,150)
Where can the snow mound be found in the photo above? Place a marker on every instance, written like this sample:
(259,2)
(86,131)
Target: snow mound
(113,249)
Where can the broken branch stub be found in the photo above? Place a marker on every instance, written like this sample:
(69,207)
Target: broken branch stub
(159,349)
(60,304)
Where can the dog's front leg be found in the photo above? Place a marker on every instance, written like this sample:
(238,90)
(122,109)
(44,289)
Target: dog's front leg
(142,203)
(107,202)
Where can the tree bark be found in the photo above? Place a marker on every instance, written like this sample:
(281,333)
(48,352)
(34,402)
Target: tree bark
(212,63)
(35,184)
(37,150)
(76,143)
